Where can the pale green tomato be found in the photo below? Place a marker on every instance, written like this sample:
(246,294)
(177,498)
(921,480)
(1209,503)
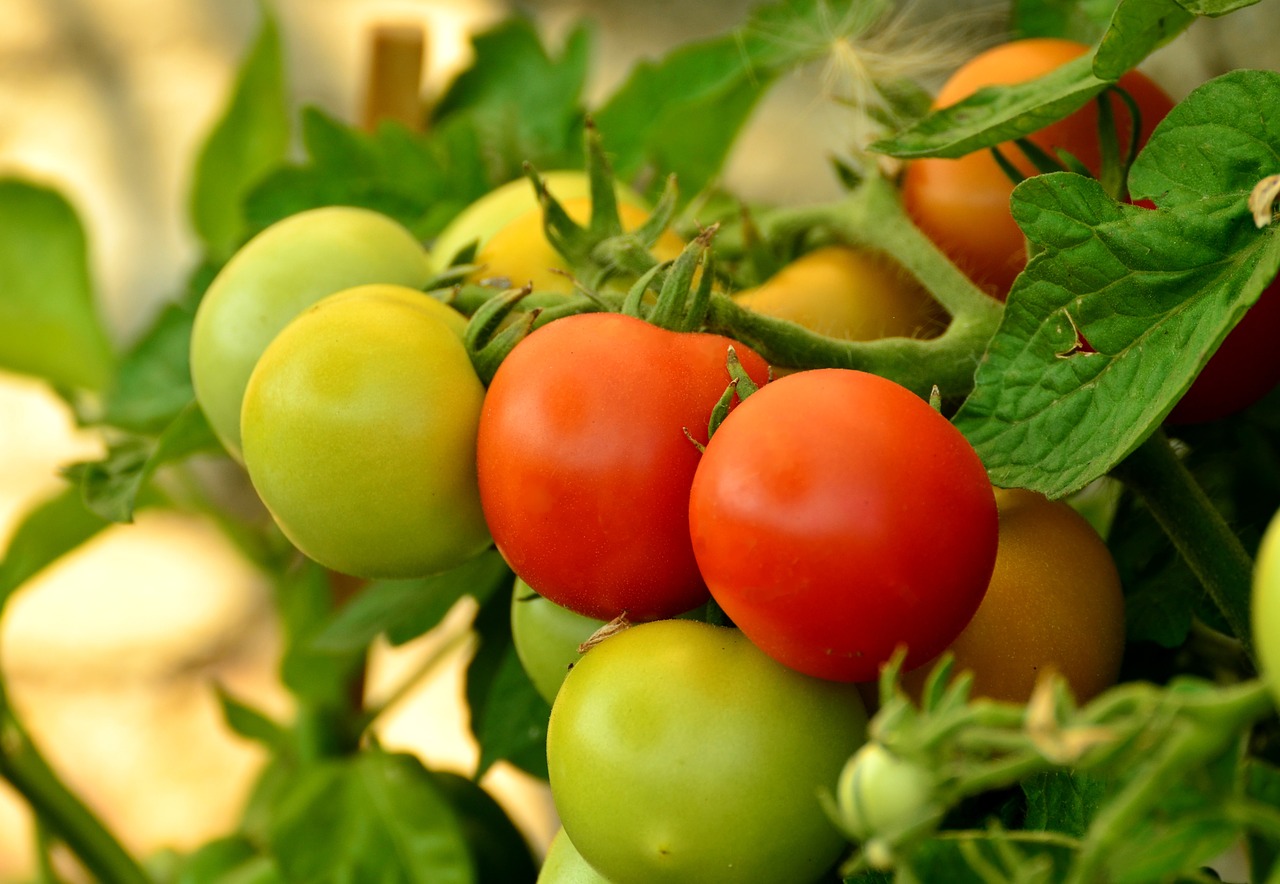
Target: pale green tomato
(499,207)
(679,752)
(273,278)
(546,637)
(1266,606)
(359,430)
(881,794)
(564,865)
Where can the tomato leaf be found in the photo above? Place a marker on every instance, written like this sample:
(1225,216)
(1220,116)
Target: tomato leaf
(405,609)
(1121,307)
(383,818)
(508,715)
(526,105)
(230,860)
(500,853)
(250,139)
(46,533)
(152,384)
(1262,782)
(49,322)
(1082,20)
(1137,28)
(1063,801)
(1214,7)
(250,723)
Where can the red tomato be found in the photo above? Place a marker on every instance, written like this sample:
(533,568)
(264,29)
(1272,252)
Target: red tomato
(836,515)
(963,204)
(585,465)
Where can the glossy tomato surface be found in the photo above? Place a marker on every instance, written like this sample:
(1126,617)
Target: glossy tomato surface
(359,431)
(1055,604)
(678,752)
(963,204)
(546,638)
(585,460)
(274,277)
(836,515)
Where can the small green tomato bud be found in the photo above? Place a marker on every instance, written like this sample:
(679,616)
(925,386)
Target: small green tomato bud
(880,794)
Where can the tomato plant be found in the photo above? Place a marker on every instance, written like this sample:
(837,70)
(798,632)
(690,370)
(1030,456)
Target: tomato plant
(359,431)
(1054,604)
(836,515)
(585,460)
(273,278)
(847,293)
(678,752)
(963,204)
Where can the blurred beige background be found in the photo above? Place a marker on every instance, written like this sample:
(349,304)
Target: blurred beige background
(111,653)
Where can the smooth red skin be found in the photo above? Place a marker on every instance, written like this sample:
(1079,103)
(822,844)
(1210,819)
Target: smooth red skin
(963,204)
(585,466)
(1244,368)
(835,515)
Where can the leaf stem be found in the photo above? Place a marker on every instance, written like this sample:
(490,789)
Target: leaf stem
(1215,555)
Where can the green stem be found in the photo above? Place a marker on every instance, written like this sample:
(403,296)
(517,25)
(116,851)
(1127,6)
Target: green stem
(1211,549)
(60,810)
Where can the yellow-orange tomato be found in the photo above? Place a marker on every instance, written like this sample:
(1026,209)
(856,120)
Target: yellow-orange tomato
(1054,603)
(847,293)
(521,253)
(963,204)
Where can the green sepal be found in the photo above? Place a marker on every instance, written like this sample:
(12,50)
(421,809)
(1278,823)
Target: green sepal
(488,340)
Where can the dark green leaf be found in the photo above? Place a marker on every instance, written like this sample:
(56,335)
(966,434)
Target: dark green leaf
(250,139)
(498,850)
(46,533)
(1063,801)
(1161,592)
(508,715)
(405,609)
(374,817)
(250,723)
(153,382)
(49,322)
(1138,28)
(230,860)
(525,104)
(1214,7)
(1262,783)
(1151,293)
(112,487)
(1081,20)
(305,598)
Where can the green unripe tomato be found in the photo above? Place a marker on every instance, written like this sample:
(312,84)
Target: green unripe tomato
(882,794)
(546,638)
(564,865)
(679,752)
(1266,606)
(274,277)
(359,430)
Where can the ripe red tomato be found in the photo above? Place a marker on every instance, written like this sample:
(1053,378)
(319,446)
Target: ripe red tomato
(585,465)
(836,515)
(963,204)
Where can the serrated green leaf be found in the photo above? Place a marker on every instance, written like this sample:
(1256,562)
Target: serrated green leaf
(508,715)
(526,105)
(49,321)
(251,138)
(112,486)
(47,532)
(1137,29)
(373,817)
(1114,317)
(152,384)
(405,609)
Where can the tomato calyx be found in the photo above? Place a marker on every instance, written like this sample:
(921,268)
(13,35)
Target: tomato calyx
(683,295)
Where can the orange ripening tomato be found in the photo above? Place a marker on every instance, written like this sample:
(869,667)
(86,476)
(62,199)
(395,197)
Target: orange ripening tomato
(1054,603)
(521,253)
(963,204)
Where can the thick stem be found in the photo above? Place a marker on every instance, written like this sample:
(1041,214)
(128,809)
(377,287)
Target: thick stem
(61,811)
(1211,549)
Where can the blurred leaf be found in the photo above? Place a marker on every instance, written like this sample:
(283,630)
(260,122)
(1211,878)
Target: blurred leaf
(1262,783)
(250,139)
(1152,293)
(372,817)
(500,853)
(49,322)
(1063,801)
(230,860)
(305,599)
(1214,7)
(111,487)
(1137,29)
(250,723)
(152,384)
(406,609)
(508,715)
(526,105)
(46,533)
(1081,20)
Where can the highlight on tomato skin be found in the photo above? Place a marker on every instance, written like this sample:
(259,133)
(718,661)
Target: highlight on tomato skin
(836,515)
(962,204)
